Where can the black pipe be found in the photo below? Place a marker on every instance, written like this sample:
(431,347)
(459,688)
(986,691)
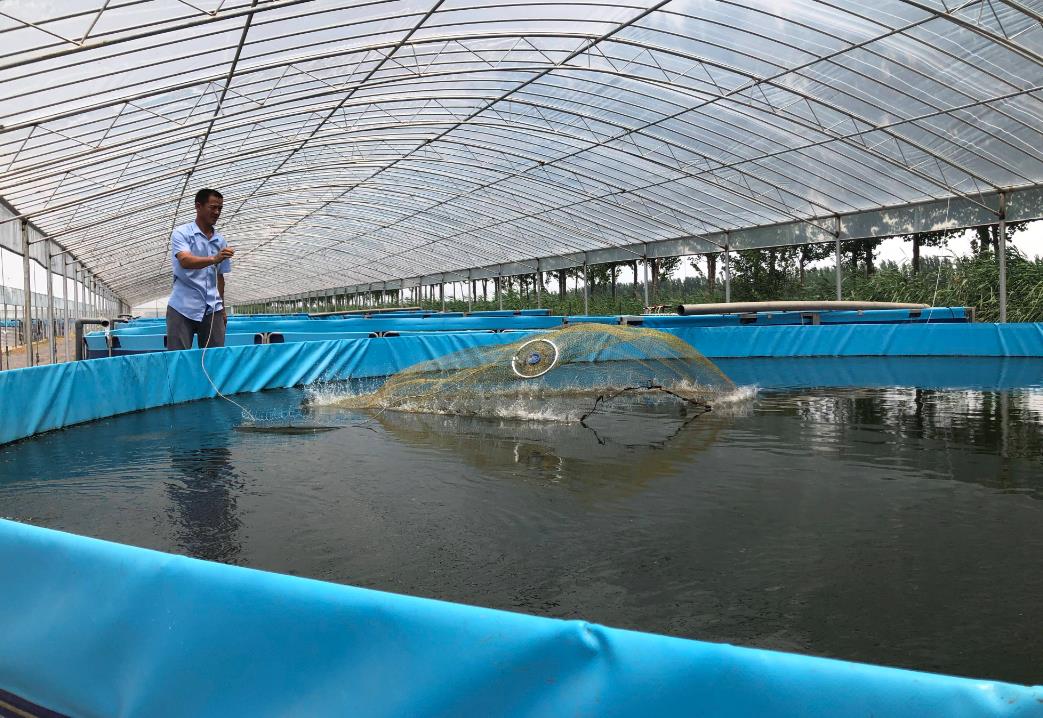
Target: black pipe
(80,346)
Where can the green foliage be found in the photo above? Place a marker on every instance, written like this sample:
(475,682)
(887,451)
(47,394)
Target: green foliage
(963,281)
(781,273)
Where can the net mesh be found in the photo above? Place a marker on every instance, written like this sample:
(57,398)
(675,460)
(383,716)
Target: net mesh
(564,374)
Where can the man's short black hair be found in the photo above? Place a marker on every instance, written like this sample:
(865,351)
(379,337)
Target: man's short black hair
(203,196)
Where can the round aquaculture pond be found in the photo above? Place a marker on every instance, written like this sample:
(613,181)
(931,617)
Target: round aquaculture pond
(900,526)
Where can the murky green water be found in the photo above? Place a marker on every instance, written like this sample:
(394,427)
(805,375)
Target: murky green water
(895,526)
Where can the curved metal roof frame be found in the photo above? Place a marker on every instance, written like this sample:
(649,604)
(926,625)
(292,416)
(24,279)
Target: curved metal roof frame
(397,142)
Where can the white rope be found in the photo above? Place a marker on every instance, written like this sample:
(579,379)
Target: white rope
(202,358)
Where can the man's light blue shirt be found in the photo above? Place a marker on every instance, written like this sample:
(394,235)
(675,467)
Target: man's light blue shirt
(195,290)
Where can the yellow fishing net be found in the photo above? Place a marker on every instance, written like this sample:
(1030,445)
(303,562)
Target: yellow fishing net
(563,375)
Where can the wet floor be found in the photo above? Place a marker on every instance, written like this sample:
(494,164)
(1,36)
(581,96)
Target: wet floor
(893,526)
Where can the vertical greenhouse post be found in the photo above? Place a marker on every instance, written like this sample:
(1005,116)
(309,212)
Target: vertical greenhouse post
(66,311)
(1002,251)
(76,294)
(727,269)
(499,294)
(836,240)
(52,346)
(586,288)
(27,302)
(470,290)
(539,286)
(645,261)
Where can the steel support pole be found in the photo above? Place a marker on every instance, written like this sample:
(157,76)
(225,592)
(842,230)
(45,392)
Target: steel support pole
(539,286)
(3,303)
(76,293)
(727,271)
(840,268)
(67,314)
(27,299)
(470,291)
(52,344)
(499,294)
(1002,251)
(586,289)
(441,290)
(645,261)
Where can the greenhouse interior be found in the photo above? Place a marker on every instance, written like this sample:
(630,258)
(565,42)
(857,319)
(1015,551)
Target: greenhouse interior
(392,358)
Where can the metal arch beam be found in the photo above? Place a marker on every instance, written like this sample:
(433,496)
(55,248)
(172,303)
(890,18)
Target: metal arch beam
(98,43)
(45,260)
(658,4)
(217,109)
(364,50)
(947,111)
(351,93)
(1021,50)
(623,250)
(880,156)
(807,97)
(876,223)
(354,51)
(61,172)
(898,61)
(912,119)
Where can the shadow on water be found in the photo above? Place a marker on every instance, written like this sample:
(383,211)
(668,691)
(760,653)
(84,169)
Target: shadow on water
(203,506)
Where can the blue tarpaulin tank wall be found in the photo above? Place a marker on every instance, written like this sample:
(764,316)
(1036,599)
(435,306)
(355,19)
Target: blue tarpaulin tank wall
(149,335)
(93,628)
(99,629)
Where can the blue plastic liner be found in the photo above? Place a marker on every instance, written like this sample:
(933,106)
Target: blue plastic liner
(933,315)
(96,629)
(979,373)
(851,340)
(442,323)
(53,396)
(50,397)
(93,628)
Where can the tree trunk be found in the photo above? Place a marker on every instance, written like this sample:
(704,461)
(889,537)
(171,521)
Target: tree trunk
(561,284)
(869,258)
(802,260)
(711,272)
(633,265)
(612,275)
(916,254)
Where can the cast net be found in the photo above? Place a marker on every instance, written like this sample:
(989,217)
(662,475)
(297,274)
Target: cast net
(565,375)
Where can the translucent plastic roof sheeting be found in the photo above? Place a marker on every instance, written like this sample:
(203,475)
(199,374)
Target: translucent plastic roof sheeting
(407,138)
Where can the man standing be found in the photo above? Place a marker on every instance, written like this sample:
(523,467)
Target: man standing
(196,305)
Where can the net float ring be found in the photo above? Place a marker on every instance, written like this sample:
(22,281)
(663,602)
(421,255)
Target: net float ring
(534,358)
